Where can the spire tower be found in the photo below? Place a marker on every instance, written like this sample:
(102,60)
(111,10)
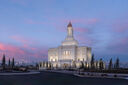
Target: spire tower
(69,40)
(69,30)
(69,25)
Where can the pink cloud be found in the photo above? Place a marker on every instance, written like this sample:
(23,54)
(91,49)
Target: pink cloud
(119,45)
(24,41)
(119,41)
(84,21)
(26,44)
(61,24)
(19,39)
(81,29)
(84,40)
(120,26)
(2,47)
(92,21)
(22,52)
(11,49)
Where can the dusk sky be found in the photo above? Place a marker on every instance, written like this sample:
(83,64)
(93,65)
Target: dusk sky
(29,27)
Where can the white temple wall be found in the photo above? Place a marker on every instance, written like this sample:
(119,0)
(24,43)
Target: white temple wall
(53,54)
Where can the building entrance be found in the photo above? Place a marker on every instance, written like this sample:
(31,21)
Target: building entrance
(65,66)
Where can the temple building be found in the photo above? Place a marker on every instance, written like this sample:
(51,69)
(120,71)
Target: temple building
(69,54)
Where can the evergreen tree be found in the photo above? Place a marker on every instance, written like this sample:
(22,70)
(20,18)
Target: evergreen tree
(46,64)
(92,62)
(117,63)
(13,63)
(50,66)
(110,64)
(37,65)
(96,67)
(101,64)
(82,65)
(3,62)
(9,63)
(85,65)
(43,64)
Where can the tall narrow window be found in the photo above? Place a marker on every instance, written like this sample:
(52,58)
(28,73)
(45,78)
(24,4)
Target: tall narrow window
(66,52)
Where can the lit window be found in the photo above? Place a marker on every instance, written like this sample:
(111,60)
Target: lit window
(53,59)
(66,52)
(81,59)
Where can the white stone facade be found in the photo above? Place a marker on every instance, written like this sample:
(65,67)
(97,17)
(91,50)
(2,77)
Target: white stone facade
(69,54)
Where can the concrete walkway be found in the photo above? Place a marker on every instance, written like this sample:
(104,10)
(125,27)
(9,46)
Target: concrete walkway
(109,75)
(92,74)
(99,76)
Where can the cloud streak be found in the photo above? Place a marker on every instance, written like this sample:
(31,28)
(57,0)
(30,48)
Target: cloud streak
(120,26)
(119,46)
(20,52)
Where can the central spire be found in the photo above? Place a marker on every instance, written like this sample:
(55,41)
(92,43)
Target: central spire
(70,30)
(69,40)
(70,24)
